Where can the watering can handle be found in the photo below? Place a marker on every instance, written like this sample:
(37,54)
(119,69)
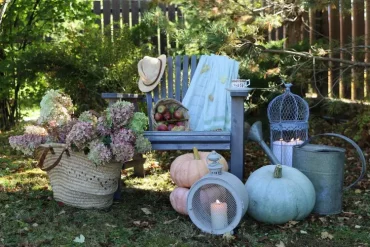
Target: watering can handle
(358,149)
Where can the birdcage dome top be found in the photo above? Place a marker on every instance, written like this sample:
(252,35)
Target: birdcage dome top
(288,107)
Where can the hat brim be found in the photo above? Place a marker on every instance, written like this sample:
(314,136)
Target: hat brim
(145,88)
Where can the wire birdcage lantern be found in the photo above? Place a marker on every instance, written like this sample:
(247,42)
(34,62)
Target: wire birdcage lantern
(217,202)
(288,116)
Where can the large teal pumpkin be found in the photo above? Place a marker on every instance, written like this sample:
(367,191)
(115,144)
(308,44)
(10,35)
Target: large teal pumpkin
(278,194)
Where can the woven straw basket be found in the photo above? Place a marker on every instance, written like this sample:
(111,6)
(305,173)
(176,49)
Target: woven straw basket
(75,180)
(168,102)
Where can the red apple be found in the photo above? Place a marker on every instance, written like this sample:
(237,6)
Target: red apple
(158,116)
(167,115)
(180,124)
(162,127)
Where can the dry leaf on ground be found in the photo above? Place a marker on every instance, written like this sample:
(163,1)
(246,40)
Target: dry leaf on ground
(281,244)
(326,235)
(146,211)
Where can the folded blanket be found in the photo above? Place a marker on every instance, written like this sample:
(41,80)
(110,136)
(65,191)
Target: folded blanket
(208,101)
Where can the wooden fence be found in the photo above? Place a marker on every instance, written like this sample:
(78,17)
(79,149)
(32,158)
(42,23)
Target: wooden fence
(336,26)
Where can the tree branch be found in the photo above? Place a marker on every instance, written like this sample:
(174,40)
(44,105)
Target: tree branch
(308,55)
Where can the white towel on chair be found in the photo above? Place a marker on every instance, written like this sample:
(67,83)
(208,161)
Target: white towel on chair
(208,101)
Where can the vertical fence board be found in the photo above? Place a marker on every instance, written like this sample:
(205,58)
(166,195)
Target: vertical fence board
(367,50)
(116,11)
(330,64)
(97,11)
(353,57)
(106,12)
(135,12)
(126,11)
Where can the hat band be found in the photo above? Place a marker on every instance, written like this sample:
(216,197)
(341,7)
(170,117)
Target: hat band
(159,72)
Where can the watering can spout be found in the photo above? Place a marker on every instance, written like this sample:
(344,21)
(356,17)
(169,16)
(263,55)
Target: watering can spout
(255,134)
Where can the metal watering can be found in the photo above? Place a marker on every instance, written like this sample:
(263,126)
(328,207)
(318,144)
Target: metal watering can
(324,166)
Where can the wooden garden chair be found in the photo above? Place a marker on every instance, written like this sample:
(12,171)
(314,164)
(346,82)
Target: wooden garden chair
(174,84)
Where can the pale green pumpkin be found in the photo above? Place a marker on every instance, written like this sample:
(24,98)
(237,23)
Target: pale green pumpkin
(278,194)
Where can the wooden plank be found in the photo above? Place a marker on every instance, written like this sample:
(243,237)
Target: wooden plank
(341,45)
(200,146)
(170,77)
(164,85)
(135,12)
(193,64)
(97,11)
(106,13)
(119,96)
(355,8)
(367,50)
(185,77)
(178,77)
(126,11)
(149,105)
(188,133)
(116,11)
(330,64)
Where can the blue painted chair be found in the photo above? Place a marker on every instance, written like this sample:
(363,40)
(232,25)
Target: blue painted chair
(174,84)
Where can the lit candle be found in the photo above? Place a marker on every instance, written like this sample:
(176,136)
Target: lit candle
(219,215)
(284,150)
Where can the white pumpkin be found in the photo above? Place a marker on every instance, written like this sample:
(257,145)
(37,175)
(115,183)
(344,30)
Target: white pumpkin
(279,194)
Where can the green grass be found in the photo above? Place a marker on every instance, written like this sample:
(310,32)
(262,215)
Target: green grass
(30,217)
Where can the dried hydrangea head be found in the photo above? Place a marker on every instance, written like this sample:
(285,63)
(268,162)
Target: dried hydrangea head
(80,135)
(27,143)
(120,113)
(88,117)
(99,153)
(55,106)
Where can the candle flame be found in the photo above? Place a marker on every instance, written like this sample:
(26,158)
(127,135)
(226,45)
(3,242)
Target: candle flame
(292,140)
(218,202)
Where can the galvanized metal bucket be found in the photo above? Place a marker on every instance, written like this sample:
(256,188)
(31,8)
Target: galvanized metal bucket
(324,166)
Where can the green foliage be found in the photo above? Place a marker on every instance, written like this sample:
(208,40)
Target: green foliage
(25,26)
(91,63)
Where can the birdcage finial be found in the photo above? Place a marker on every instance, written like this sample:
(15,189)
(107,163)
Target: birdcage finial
(287,86)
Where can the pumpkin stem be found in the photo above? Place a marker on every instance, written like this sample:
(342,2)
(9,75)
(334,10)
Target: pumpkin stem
(196,153)
(278,172)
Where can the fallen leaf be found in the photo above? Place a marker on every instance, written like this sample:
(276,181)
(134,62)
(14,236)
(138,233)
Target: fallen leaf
(61,212)
(322,219)
(289,224)
(35,225)
(343,218)
(170,221)
(358,191)
(281,244)
(357,226)
(303,232)
(146,211)
(326,235)
(6,206)
(228,237)
(109,225)
(136,222)
(80,239)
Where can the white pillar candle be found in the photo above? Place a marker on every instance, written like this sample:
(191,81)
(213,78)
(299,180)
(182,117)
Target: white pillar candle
(219,215)
(284,150)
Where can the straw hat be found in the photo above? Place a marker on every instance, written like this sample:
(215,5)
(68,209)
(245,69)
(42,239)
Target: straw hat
(151,70)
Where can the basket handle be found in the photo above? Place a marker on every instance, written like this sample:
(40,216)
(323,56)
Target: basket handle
(358,149)
(43,156)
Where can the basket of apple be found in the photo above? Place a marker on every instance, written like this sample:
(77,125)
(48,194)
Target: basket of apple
(169,115)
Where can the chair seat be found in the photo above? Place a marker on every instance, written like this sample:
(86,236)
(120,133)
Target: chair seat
(186,140)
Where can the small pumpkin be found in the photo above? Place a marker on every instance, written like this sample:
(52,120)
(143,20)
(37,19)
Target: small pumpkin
(188,168)
(278,195)
(178,199)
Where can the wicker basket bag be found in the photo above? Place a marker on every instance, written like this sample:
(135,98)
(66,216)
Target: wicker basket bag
(75,180)
(171,105)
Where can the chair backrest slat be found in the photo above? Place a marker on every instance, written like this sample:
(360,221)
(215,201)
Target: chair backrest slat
(149,103)
(178,77)
(170,77)
(193,64)
(163,86)
(185,82)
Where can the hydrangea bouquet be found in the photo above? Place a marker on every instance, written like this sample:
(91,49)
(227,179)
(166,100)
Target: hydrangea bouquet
(114,136)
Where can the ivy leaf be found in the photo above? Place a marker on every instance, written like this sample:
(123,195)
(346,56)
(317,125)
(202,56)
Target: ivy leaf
(80,239)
